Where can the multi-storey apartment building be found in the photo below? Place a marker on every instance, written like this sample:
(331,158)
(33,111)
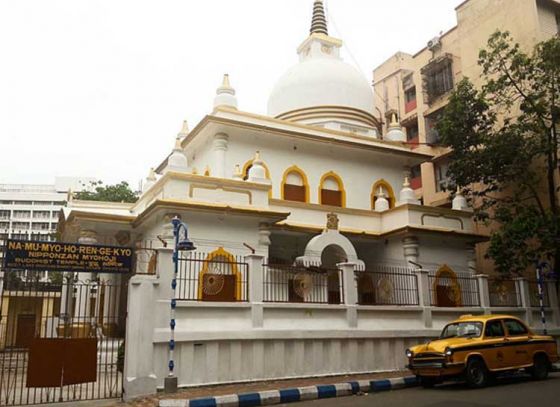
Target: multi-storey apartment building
(31,211)
(416,87)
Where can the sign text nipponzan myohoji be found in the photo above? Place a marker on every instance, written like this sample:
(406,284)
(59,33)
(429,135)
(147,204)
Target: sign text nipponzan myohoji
(53,256)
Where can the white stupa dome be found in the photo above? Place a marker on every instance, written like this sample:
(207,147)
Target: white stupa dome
(320,82)
(322,88)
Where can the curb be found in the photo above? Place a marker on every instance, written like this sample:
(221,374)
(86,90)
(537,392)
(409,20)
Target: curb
(270,397)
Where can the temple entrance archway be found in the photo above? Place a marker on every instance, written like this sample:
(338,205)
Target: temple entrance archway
(329,249)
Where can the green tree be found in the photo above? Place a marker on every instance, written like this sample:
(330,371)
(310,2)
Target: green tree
(109,193)
(504,138)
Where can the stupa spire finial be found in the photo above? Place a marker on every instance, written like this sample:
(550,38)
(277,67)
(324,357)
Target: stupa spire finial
(319,21)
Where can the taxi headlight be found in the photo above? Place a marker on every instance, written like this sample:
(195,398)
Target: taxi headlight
(409,353)
(448,352)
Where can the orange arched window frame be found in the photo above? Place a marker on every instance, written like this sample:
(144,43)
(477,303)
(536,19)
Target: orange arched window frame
(338,179)
(446,272)
(221,252)
(387,187)
(248,165)
(301,173)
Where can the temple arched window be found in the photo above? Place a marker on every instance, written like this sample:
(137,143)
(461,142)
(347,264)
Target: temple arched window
(387,190)
(331,190)
(294,185)
(220,278)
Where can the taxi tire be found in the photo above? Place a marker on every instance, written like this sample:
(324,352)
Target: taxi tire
(476,373)
(539,370)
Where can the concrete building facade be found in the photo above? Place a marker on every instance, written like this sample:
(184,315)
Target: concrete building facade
(416,87)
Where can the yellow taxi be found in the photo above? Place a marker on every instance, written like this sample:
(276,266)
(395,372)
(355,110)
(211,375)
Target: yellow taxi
(480,347)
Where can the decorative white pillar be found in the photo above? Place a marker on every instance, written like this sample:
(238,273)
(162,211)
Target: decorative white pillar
(350,292)
(219,148)
(81,320)
(459,202)
(407,194)
(381,203)
(471,259)
(424,296)
(553,301)
(410,250)
(524,294)
(483,292)
(256,281)
(264,235)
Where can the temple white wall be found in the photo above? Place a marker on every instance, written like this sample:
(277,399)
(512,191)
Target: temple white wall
(315,159)
(236,342)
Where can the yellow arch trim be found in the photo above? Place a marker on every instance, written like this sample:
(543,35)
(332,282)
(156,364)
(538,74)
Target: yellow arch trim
(338,179)
(384,184)
(266,171)
(301,173)
(447,272)
(221,252)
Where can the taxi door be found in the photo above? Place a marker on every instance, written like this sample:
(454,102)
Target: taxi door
(517,348)
(494,344)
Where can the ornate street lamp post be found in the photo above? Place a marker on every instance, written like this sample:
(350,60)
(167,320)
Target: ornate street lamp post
(182,243)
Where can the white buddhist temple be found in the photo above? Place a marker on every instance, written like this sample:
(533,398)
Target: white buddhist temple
(313,254)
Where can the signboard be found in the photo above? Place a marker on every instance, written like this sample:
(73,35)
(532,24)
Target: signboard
(54,256)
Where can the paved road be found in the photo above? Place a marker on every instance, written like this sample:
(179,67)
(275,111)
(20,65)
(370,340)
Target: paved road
(511,392)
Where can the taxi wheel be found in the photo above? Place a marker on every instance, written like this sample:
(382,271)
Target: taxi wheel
(539,371)
(476,373)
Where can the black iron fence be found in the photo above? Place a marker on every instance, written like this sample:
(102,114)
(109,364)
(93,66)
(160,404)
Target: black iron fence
(504,292)
(534,294)
(387,285)
(302,284)
(216,276)
(453,291)
(61,342)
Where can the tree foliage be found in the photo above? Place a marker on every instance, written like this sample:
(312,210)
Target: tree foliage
(504,138)
(120,192)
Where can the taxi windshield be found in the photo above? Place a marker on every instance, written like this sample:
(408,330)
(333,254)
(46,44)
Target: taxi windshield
(462,329)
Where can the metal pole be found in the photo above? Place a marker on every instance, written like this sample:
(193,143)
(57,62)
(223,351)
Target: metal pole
(171,382)
(540,283)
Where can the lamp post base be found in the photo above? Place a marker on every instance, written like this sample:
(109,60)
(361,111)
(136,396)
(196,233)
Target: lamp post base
(170,384)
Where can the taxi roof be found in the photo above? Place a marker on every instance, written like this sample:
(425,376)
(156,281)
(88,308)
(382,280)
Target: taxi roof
(483,318)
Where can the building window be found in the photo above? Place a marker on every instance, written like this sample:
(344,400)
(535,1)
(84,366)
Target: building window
(4,225)
(20,226)
(41,214)
(331,190)
(22,214)
(442,179)
(437,78)
(410,99)
(294,185)
(40,226)
(387,190)
(415,177)
(432,134)
(412,134)
(4,214)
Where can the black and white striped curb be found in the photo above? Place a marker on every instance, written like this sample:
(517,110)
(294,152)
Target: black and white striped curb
(270,397)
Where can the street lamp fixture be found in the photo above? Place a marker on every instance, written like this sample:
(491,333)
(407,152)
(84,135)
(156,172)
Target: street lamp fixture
(182,243)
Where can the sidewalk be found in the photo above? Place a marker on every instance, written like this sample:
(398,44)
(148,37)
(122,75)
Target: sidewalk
(227,389)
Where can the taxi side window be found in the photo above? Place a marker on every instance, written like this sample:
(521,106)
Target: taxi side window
(494,329)
(515,328)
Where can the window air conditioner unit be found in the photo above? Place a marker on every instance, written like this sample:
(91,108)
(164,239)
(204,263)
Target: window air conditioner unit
(434,43)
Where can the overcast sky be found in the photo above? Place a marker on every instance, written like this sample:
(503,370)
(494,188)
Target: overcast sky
(100,88)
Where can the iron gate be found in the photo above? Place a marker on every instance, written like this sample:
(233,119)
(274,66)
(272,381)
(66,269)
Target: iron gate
(61,337)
